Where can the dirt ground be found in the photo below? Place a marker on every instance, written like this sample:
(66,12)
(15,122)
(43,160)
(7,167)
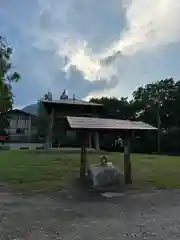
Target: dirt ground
(153,215)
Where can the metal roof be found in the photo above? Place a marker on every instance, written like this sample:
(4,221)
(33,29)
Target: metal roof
(71,102)
(106,124)
(20,112)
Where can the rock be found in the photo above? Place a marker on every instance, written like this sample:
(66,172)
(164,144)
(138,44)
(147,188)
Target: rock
(105,176)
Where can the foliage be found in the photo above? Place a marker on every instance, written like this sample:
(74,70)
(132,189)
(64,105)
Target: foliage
(116,108)
(7,77)
(158,99)
(150,103)
(47,96)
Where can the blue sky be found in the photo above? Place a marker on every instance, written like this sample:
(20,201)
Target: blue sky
(62,44)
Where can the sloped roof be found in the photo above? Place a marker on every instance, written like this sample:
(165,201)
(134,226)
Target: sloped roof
(71,101)
(19,112)
(106,124)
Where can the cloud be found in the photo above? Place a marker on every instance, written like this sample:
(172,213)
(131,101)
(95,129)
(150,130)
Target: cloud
(150,24)
(57,32)
(89,47)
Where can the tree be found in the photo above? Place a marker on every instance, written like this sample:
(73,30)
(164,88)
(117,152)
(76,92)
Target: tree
(147,98)
(7,77)
(47,96)
(157,104)
(116,108)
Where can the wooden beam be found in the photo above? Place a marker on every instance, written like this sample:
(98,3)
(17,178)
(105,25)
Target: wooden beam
(83,163)
(127,160)
(90,140)
(96,136)
(50,128)
(29,127)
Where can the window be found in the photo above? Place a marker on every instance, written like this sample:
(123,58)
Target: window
(20,130)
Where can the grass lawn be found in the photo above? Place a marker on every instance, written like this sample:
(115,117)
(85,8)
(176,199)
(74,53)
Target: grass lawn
(42,171)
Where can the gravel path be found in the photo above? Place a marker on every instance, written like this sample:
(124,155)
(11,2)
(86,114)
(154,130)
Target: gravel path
(154,215)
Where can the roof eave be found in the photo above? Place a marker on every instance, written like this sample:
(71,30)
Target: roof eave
(76,123)
(71,103)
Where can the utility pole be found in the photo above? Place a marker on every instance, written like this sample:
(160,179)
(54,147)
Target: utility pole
(159,125)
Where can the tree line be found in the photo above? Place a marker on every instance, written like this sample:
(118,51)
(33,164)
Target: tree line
(157,104)
(7,78)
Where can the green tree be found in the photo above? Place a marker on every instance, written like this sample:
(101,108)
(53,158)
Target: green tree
(157,104)
(47,96)
(7,77)
(116,108)
(147,98)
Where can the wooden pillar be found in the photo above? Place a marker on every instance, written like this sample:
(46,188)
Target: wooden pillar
(90,140)
(127,159)
(97,141)
(83,163)
(29,128)
(50,129)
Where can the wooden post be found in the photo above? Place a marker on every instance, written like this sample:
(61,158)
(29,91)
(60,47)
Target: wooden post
(52,124)
(127,160)
(29,127)
(50,128)
(90,140)
(97,141)
(83,163)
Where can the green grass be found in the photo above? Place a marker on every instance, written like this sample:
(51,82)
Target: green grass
(40,171)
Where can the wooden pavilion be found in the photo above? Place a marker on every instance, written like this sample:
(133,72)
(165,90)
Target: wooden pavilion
(58,111)
(85,117)
(125,127)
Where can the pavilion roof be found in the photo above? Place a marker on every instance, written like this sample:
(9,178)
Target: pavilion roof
(106,124)
(70,101)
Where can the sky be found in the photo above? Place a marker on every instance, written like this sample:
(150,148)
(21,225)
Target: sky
(90,48)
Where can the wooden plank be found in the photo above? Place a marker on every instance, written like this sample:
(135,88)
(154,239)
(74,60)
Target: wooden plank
(50,129)
(83,162)
(127,160)
(87,123)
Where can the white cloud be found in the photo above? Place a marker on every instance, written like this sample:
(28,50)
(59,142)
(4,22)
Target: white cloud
(99,94)
(57,28)
(85,60)
(67,42)
(150,23)
(119,91)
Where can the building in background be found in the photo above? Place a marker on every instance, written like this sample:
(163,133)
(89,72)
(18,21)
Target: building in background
(58,110)
(20,126)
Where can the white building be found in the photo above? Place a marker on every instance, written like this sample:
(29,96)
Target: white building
(20,126)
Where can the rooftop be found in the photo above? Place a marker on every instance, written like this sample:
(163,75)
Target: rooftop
(71,102)
(19,112)
(106,124)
